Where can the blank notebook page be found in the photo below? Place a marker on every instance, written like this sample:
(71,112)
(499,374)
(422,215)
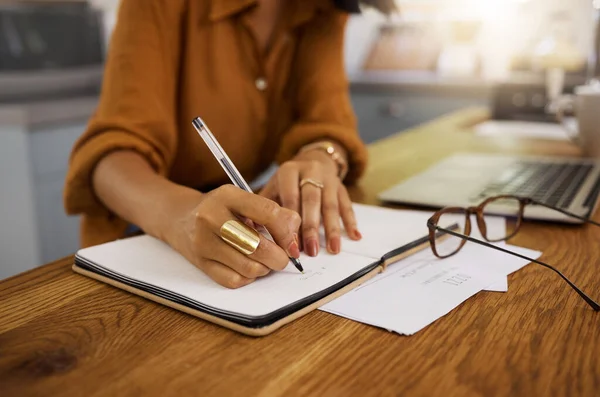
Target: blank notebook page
(384,230)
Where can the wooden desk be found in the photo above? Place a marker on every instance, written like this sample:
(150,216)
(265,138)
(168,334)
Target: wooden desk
(61,333)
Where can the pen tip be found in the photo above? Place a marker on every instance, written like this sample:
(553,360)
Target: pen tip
(296,262)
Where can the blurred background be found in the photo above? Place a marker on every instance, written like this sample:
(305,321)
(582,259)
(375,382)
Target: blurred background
(435,57)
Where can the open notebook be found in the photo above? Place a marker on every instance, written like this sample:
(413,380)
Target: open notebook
(148,267)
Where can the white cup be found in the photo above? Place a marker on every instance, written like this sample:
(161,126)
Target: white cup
(585,129)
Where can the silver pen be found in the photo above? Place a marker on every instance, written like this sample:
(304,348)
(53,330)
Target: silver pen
(232,172)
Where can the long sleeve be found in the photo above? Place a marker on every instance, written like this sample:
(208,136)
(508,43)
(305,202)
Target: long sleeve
(137,109)
(322,96)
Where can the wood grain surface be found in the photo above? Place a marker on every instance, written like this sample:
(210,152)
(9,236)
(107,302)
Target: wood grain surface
(64,334)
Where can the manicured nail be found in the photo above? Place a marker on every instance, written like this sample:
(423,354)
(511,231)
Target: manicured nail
(312,248)
(293,250)
(334,245)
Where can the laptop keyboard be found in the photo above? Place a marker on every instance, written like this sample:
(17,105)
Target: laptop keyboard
(555,184)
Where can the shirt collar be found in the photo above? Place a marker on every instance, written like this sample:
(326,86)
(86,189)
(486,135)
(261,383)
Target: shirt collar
(220,9)
(303,10)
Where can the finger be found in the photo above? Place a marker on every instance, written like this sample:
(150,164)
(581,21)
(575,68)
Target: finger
(235,260)
(282,223)
(270,190)
(347,214)
(331,216)
(223,275)
(288,180)
(268,256)
(311,218)
(249,223)
(272,256)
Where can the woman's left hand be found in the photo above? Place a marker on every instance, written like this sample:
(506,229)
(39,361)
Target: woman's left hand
(329,203)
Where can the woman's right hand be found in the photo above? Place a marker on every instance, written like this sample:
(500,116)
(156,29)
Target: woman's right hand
(196,235)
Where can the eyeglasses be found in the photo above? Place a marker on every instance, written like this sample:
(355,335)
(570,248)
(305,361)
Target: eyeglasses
(447,240)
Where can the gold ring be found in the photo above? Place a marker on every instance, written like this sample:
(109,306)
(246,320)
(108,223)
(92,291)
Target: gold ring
(312,182)
(239,236)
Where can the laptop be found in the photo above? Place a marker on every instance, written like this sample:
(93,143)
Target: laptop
(466,179)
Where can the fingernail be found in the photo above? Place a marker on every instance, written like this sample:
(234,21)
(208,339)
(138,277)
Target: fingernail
(357,234)
(312,248)
(334,245)
(293,250)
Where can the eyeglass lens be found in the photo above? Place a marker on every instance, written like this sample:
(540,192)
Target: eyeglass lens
(447,244)
(510,208)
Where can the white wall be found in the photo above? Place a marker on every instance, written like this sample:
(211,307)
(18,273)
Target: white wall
(109,7)
(19,245)
(361,31)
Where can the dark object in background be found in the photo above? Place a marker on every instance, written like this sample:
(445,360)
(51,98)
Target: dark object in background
(386,7)
(525,100)
(49,36)
(49,49)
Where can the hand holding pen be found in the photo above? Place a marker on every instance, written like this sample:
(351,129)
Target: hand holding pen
(235,232)
(194,228)
(197,234)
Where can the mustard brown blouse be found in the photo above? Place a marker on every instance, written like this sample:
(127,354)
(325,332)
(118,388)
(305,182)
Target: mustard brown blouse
(172,60)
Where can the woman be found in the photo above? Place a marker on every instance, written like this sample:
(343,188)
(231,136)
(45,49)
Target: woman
(267,78)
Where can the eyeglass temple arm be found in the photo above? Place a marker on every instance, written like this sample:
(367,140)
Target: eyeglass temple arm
(586,298)
(581,218)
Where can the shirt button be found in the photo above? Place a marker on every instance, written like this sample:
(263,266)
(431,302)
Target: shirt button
(261,83)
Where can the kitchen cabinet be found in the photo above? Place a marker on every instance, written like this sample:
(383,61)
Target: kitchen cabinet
(35,143)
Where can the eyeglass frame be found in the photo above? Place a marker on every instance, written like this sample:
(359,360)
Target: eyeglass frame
(434,231)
